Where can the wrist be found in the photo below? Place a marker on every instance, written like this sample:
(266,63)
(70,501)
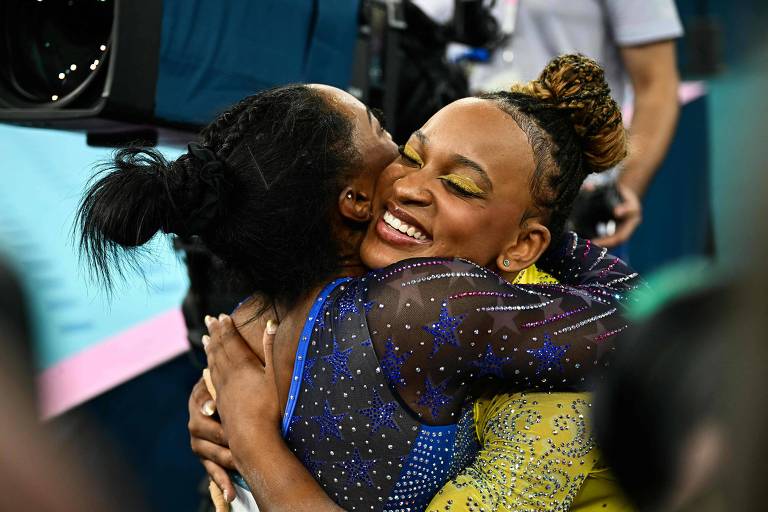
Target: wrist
(249,440)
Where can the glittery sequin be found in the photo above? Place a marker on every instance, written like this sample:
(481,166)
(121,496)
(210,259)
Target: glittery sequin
(603,336)
(434,397)
(357,468)
(329,423)
(444,330)
(339,361)
(447,275)
(490,364)
(554,318)
(380,414)
(584,322)
(392,362)
(549,356)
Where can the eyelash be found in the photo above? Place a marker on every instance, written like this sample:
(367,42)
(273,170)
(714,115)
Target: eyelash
(458,188)
(404,156)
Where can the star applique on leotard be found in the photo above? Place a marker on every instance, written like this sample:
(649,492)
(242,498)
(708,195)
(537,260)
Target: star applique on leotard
(357,469)
(392,362)
(339,361)
(490,364)
(549,356)
(434,397)
(380,414)
(329,423)
(444,330)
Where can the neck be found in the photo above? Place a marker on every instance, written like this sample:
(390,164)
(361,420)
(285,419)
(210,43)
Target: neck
(350,238)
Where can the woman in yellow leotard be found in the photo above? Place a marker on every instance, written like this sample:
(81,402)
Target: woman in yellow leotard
(537,453)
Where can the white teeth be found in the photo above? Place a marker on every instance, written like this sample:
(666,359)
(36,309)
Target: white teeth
(402,227)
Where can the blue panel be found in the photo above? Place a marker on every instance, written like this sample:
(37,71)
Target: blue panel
(44,174)
(677,207)
(214,53)
(331,51)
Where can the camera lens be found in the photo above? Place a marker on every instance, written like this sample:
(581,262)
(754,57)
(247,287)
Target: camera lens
(52,49)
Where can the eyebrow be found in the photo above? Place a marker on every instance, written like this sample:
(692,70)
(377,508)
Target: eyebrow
(462,161)
(378,114)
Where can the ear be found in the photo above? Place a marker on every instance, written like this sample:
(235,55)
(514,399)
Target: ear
(532,240)
(354,205)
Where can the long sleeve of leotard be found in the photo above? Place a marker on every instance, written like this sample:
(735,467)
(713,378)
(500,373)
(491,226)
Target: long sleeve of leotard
(440,325)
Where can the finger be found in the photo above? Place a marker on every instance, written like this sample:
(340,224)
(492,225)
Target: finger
(214,348)
(206,429)
(208,408)
(623,233)
(232,341)
(200,393)
(269,344)
(219,475)
(207,450)
(217,498)
(209,383)
(625,229)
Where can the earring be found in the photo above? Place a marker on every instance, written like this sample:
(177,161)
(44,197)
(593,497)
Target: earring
(349,195)
(506,263)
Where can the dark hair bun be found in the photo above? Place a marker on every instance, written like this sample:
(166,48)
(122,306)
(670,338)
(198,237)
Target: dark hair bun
(577,83)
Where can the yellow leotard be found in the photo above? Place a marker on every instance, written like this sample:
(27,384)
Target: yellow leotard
(537,454)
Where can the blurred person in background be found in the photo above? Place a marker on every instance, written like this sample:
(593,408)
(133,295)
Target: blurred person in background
(36,473)
(633,40)
(659,415)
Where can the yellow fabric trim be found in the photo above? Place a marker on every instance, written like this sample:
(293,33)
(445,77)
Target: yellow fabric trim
(537,452)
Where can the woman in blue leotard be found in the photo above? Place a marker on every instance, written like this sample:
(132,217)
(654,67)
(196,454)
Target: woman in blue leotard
(464,317)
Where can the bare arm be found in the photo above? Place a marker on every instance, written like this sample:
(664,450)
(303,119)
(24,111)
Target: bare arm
(248,404)
(652,69)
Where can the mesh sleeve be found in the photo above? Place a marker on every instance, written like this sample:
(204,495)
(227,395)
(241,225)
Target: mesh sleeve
(439,326)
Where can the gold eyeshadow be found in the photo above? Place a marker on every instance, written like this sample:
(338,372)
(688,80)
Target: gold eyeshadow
(464,184)
(412,155)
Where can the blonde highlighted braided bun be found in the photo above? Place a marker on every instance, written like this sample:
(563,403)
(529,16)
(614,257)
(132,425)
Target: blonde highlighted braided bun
(577,83)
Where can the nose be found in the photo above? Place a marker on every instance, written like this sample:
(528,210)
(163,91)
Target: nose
(412,188)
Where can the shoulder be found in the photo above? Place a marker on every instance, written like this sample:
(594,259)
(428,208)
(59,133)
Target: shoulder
(576,261)
(416,271)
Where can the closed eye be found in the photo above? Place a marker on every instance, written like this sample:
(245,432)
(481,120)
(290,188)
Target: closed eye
(462,185)
(408,154)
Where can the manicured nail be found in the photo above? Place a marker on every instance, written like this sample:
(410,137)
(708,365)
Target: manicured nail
(206,340)
(271,327)
(208,408)
(208,319)
(226,495)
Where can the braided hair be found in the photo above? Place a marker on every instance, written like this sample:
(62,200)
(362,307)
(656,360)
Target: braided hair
(258,192)
(574,127)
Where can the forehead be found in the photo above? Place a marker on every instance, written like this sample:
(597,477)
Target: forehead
(344,101)
(478,129)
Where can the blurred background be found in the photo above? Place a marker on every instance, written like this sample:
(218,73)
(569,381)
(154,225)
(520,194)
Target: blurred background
(110,375)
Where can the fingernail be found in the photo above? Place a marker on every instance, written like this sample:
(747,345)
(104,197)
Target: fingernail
(206,340)
(208,408)
(226,495)
(222,317)
(208,319)
(271,327)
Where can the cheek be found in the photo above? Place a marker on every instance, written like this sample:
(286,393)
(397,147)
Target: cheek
(479,234)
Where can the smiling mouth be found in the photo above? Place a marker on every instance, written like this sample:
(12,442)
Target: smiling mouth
(403,227)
